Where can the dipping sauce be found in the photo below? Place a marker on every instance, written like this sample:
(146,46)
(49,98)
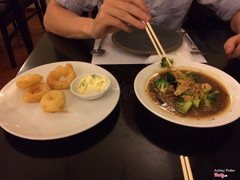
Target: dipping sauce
(92,83)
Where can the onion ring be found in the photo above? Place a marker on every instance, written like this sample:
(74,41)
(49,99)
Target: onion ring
(61,77)
(35,92)
(53,101)
(29,80)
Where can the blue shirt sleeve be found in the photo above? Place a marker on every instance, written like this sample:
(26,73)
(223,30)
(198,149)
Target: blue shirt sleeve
(79,6)
(225,9)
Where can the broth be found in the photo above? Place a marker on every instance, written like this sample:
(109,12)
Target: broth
(167,100)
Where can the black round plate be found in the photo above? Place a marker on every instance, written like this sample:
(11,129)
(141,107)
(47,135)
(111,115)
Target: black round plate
(138,42)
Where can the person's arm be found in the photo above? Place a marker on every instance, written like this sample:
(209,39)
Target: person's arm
(113,15)
(63,22)
(232,45)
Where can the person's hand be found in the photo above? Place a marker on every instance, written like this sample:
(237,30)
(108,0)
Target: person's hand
(232,47)
(115,15)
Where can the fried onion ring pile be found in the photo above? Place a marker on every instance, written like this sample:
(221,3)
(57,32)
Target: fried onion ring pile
(29,80)
(35,92)
(53,101)
(61,77)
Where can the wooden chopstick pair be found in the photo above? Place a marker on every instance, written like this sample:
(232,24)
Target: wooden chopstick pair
(156,42)
(186,168)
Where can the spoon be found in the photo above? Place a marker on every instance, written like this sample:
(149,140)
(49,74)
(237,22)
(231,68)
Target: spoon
(99,50)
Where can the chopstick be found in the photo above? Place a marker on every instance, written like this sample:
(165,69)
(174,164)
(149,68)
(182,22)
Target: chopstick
(186,168)
(155,40)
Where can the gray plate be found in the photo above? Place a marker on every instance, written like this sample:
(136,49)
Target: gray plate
(138,42)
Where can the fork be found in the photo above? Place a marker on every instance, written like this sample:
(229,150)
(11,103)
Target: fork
(195,52)
(194,48)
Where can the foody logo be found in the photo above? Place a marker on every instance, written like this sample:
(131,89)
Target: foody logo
(222,173)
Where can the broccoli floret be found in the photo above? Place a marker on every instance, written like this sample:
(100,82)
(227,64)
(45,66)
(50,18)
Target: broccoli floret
(181,96)
(183,107)
(185,93)
(194,75)
(162,84)
(171,79)
(180,99)
(207,104)
(164,62)
(196,102)
(211,95)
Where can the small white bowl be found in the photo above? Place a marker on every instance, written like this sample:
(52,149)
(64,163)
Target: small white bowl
(90,96)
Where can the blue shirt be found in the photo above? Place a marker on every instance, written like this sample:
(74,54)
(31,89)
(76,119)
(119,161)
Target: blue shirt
(170,13)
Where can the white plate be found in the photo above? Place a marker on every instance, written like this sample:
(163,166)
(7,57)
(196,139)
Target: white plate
(231,114)
(27,120)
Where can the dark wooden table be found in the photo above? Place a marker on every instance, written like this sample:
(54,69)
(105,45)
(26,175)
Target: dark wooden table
(131,143)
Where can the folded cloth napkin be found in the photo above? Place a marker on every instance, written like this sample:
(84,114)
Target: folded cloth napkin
(115,55)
